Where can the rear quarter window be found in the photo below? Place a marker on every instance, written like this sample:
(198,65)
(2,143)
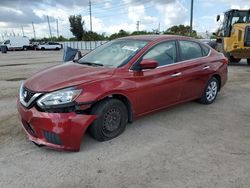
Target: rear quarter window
(205,50)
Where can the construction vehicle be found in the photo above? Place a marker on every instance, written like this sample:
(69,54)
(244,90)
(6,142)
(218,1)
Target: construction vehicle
(233,37)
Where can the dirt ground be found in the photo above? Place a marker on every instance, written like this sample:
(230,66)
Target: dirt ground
(191,145)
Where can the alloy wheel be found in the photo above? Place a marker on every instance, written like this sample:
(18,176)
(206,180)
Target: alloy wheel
(211,91)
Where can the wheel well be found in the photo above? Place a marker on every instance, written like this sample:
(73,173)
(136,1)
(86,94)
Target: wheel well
(219,79)
(126,102)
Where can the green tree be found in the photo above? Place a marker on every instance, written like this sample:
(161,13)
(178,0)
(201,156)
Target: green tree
(121,33)
(76,26)
(181,30)
(141,33)
(93,36)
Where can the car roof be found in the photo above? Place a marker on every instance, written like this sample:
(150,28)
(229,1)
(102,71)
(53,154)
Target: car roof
(156,37)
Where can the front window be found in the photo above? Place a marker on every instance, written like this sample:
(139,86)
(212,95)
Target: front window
(164,53)
(114,54)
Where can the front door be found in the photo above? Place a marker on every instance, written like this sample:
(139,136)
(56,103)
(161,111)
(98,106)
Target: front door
(160,87)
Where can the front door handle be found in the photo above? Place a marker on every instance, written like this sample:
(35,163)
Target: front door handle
(176,74)
(206,67)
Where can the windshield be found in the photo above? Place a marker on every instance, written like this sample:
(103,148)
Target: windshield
(114,53)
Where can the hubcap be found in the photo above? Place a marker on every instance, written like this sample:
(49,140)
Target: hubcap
(112,120)
(211,91)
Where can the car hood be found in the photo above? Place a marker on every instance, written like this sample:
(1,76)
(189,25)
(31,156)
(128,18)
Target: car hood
(66,75)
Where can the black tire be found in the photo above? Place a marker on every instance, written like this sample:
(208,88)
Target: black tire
(210,92)
(248,62)
(234,60)
(111,121)
(25,48)
(42,48)
(57,48)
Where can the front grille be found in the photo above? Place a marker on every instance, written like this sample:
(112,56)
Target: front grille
(52,137)
(247,36)
(28,97)
(27,94)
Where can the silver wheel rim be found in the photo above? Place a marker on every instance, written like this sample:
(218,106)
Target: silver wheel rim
(211,91)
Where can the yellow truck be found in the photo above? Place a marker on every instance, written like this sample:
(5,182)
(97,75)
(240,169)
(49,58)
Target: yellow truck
(233,37)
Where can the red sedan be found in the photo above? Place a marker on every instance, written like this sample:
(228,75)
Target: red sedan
(115,84)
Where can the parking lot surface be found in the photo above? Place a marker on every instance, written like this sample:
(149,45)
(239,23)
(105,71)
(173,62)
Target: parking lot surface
(191,145)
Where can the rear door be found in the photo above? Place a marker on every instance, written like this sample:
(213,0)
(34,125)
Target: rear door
(195,69)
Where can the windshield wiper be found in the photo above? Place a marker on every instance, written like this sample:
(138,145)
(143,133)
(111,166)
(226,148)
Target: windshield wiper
(90,63)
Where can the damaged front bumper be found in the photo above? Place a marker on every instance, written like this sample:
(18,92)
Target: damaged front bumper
(62,131)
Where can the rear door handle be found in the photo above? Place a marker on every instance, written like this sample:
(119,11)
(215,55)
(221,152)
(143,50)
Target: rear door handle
(176,74)
(206,67)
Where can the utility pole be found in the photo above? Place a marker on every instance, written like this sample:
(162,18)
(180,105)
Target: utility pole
(22,31)
(138,25)
(49,27)
(34,31)
(57,28)
(90,15)
(191,17)
(159,27)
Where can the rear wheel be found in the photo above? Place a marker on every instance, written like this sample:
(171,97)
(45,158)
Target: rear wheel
(42,48)
(210,92)
(112,117)
(248,62)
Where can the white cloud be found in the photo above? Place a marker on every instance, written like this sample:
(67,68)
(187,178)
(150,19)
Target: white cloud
(174,13)
(113,16)
(243,7)
(138,13)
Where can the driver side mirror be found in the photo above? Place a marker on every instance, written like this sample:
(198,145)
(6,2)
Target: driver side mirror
(218,18)
(148,64)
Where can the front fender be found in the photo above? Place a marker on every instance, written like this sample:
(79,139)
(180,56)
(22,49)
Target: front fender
(96,91)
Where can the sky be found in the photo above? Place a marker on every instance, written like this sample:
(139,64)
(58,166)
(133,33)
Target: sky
(109,16)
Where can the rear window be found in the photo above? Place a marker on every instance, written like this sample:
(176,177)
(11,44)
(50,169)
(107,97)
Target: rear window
(190,50)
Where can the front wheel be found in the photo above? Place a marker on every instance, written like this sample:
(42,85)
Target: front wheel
(248,62)
(112,117)
(210,92)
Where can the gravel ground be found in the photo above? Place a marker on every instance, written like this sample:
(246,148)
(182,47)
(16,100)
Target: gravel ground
(191,145)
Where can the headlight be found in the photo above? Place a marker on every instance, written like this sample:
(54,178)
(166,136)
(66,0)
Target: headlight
(60,97)
(21,92)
